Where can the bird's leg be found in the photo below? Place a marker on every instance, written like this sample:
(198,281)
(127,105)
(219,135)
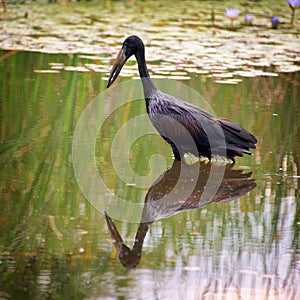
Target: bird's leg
(176,152)
(177,155)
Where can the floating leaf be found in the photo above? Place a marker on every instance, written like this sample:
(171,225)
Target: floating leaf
(46,71)
(174,43)
(192,268)
(174,77)
(288,69)
(76,69)
(269,74)
(222,75)
(90,57)
(229,81)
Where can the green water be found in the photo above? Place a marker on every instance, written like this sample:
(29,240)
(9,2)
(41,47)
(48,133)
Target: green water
(55,244)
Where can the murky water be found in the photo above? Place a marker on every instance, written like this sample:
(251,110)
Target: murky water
(243,243)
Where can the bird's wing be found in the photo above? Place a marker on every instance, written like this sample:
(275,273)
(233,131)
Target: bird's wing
(182,121)
(187,124)
(203,125)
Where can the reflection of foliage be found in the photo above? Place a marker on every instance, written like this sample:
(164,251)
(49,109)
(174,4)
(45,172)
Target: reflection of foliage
(276,97)
(38,115)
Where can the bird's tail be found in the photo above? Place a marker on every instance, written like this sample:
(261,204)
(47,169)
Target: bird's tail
(238,140)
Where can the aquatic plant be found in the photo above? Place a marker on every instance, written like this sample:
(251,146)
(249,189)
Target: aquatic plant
(212,17)
(248,20)
(293,4)
(232,14)
(275,21)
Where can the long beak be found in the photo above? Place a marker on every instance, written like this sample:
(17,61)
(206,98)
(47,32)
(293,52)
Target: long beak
(117,240)
(117,67)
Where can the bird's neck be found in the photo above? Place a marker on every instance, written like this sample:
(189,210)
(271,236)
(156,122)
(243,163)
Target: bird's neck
(148,85)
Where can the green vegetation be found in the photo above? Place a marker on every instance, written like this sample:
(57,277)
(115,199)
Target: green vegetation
(55,61)
(53,242)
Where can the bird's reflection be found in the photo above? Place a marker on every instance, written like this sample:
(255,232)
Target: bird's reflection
(180,188)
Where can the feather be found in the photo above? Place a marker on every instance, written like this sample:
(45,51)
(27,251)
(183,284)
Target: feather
(194,130)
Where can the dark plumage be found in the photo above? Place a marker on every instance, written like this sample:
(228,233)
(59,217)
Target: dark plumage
(179,189)
(186,127)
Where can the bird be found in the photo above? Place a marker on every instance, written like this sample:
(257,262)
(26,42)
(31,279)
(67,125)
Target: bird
(174,192)
(185,127)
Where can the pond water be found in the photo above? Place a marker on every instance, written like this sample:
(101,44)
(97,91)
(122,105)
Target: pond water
(242,243)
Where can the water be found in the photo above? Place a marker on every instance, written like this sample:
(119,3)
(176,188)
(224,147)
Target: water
(55,244)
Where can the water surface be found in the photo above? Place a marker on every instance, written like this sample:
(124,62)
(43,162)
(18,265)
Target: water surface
(54,244)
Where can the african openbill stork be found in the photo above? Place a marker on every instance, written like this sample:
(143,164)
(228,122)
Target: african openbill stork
(186,127)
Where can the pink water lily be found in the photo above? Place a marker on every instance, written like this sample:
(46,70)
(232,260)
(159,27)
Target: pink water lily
(293,4)
(275,21)
(248,20)
(232,14)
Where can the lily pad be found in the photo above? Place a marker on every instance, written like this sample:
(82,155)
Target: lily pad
(46,71)
(178,38)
